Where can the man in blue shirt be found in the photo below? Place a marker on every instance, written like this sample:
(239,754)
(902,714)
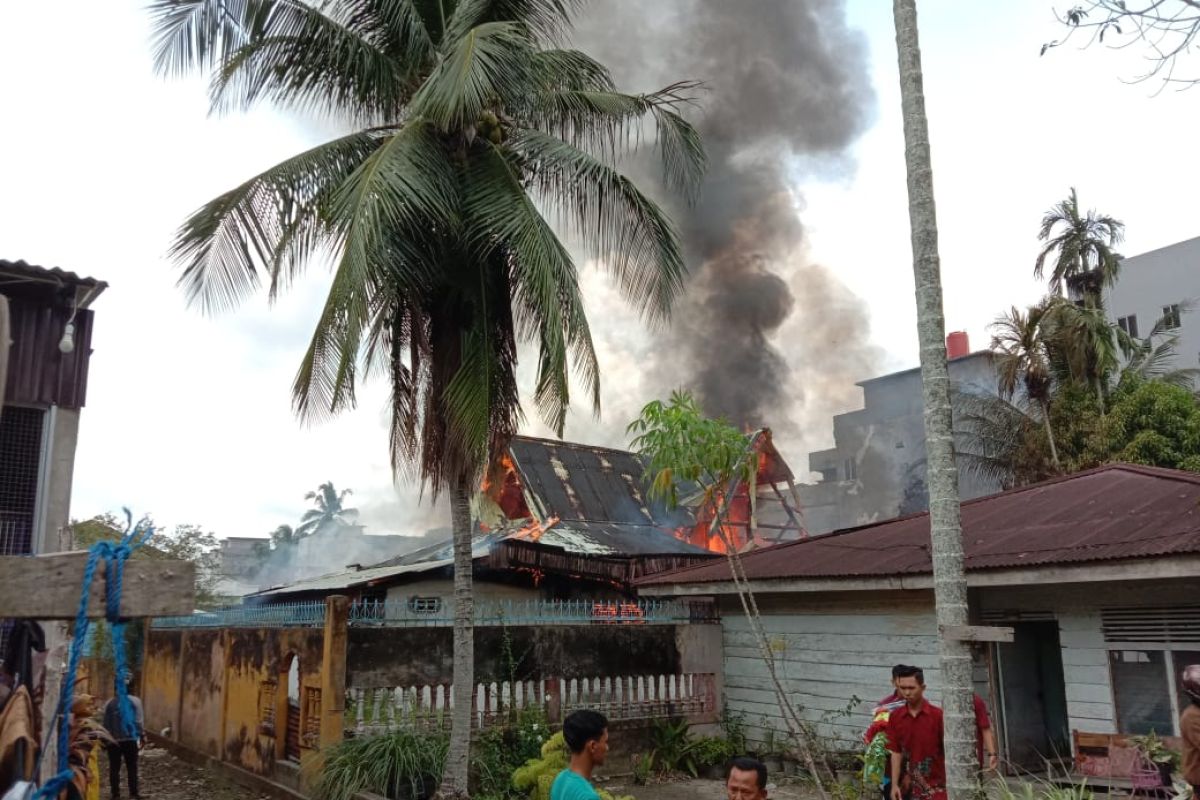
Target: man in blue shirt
(586,735)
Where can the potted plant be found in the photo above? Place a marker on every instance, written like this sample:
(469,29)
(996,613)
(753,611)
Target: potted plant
(1152,749)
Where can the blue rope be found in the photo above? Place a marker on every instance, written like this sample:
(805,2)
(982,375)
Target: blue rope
(114,556)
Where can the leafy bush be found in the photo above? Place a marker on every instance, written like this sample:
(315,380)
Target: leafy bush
(501,749)
(404,764)
(536,776)
(676,750)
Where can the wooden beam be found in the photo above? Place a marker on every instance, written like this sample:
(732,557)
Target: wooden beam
(977,633)
(48,586)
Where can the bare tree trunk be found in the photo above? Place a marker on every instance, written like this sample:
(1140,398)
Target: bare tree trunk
(1050,435)
(950,585)
(454,779)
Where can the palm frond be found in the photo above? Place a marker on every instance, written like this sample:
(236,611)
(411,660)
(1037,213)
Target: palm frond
(490,62)
(546,296)
(313,58)
(202,34)
(270,225)
(990,433)
(405,186)
(571,71)
(609,124)
(546,21)
(627,231)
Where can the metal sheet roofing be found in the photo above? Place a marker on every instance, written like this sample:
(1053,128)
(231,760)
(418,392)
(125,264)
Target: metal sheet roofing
(1119,511)
(597,495)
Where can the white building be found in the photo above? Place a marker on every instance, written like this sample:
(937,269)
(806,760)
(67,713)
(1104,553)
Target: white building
(1095,573)
(1155,285)
(876,468)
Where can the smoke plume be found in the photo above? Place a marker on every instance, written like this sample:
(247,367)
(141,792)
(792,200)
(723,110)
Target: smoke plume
(786,93)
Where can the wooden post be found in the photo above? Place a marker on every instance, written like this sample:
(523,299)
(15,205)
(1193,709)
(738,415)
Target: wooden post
(333,670)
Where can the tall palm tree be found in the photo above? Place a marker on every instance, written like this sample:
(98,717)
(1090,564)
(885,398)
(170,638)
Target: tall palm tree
(1085,345)
(1080,249)
(329,512)
(1024,359)
(471,118)
(945,523)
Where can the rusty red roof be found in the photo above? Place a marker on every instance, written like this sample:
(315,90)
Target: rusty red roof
(1118,511)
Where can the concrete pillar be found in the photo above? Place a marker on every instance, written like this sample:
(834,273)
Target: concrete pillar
(333,670)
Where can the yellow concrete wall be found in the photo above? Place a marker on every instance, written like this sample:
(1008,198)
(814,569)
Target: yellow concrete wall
(162,681)
(205,685)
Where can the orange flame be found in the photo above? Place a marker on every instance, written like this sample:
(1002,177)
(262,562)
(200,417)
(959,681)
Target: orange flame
(534,530)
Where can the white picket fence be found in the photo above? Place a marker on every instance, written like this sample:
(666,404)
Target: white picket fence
(624,697)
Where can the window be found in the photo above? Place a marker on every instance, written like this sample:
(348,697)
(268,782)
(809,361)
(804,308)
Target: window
(424,605)
(1129,325)
(266,707)
(1171,317)
(851,470)
(1140,691)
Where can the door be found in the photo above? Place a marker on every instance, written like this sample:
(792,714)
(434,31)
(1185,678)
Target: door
(291,748)
(1033,723)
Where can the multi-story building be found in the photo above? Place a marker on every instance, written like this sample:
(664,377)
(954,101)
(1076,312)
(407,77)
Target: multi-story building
(1159,285)
(876,468)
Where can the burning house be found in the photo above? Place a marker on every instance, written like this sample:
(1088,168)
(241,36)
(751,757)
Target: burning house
(560,520)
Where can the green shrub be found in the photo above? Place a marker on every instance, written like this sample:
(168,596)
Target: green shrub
(503,748)
(404,764)
(536,776)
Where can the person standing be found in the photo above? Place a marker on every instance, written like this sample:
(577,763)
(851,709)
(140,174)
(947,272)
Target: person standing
(129,742)
(1189,727)
(985,737)
(876,759)
(915,733)
(586,735)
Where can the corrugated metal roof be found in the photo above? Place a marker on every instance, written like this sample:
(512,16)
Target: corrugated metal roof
(54,275)
(1118,511)
(597,495)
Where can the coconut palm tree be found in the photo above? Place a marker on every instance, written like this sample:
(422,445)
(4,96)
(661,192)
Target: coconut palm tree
(945,523)
(471,120)
(330,511)
(284,536)
(1080,250)
(1022,342)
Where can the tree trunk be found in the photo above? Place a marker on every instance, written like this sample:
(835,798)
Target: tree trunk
(1050,435)
(950,585)
(454,779)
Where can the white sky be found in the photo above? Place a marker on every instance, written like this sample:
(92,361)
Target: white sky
(189,418)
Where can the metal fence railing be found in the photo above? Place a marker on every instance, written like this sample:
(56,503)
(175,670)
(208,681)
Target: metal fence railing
(310,614)
(434,612)
(419,612)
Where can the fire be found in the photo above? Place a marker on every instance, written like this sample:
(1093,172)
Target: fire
(502,483)
(534,530)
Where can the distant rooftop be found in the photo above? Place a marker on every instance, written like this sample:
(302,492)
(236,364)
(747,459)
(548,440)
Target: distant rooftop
(22,272)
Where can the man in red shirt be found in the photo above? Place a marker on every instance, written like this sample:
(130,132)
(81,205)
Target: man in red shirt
(915,742)
(985,737)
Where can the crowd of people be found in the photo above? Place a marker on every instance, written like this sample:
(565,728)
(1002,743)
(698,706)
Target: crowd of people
(906,736)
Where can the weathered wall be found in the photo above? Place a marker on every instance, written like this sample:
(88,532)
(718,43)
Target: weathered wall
(257,656)
(382,657)
(828,650)
(203,689)
(483,590)
(162,680)
(223,692)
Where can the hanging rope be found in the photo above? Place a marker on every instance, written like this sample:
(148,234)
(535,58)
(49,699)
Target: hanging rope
(114,557)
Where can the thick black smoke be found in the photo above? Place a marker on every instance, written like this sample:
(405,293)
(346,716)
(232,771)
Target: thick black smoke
(786,90)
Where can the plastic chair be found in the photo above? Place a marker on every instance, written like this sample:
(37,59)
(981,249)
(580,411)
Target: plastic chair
(1145,778)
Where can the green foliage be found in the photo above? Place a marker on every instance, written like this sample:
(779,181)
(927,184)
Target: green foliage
(1063,789)
(1150,423)
(1155,749)
(405,764)
(534,779)
(674,749)
(684,446)
(733,728)
(502,749)
(329,512)
(182,543)
(476,129)
(643,768)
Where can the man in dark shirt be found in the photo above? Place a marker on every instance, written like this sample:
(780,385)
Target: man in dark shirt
(915,741)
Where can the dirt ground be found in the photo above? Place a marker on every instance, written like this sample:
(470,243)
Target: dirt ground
(164,777)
